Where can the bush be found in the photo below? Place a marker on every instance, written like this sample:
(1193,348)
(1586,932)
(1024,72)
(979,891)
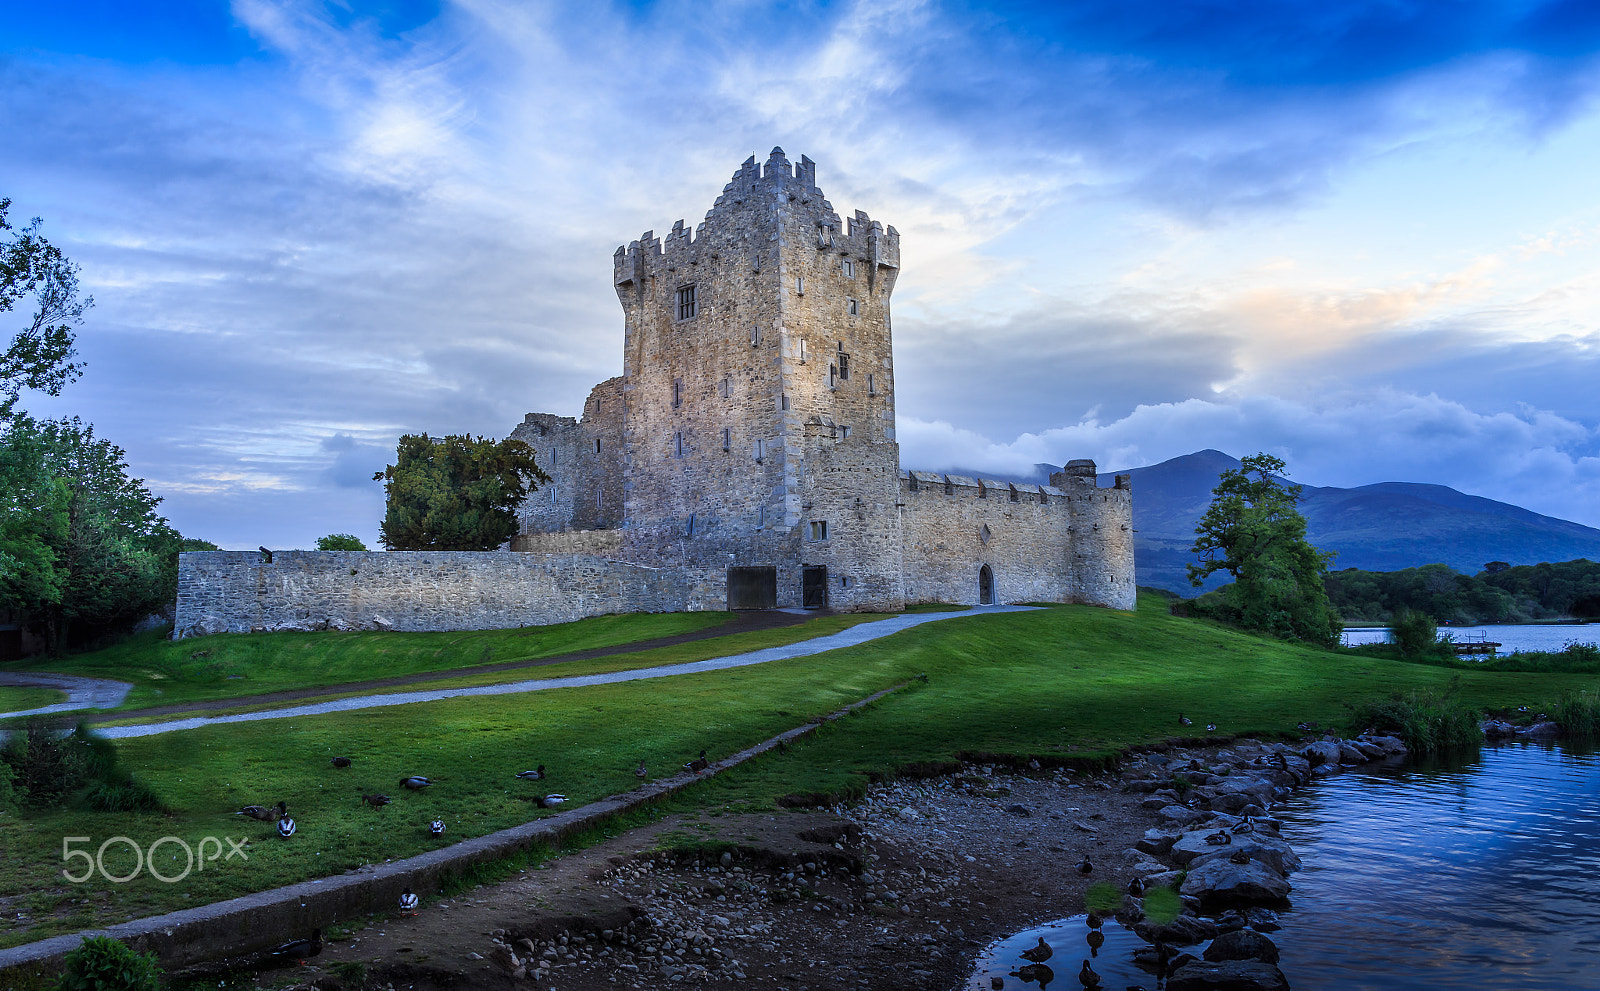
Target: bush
(1415,633)
(101,963)
(43,768)
(1578,714)
(1429,722)
(340,542)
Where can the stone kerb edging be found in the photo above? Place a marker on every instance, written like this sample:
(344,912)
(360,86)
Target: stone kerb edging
(265,919)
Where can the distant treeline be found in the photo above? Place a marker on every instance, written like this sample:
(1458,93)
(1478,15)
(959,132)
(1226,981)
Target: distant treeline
(1500,593)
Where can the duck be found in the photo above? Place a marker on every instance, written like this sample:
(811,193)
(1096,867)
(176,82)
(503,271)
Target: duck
(286,827)
(415,783)
(1087,977)
(641,772)
(1211,727)
(1184,720)
(1523,709)
(698,765)
(436,827)
(1040,953)
(1096,939)
(534,775)
(1220,838)
(549,801)
(1033,763)
(1084,867)
(1239,857)
(264,813)
(1305,727)
(1136,887)
(408,902)
(1244,826)
(376,801)
(299,950)
(339,762)
(1093,920)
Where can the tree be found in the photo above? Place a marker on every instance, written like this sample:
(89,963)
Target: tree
(41,355)
(340,542)
(1254,531)
(81,545)
(1414,632)
(457,493)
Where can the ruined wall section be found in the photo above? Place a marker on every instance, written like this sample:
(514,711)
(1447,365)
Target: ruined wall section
(582,458)
(955,525)
(242,592)
(1101,561)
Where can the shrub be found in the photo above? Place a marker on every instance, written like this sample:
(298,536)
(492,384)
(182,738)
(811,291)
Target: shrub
(101,963)
(1578,713)
(1414,632)
(1429,722)
(47,766)
(340,542)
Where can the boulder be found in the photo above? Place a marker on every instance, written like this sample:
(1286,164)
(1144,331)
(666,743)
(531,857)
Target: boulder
(1497,729)
(1165,879)
(1242,944)
(1320,753)
(1180,815)
(1223,882)
(1349,753)
(1260,846)
(1545,730)
(1141,787)
(1228,975)
(1157,842)
(1262,920)
(1229,802)
(1390,744)
(1185,930)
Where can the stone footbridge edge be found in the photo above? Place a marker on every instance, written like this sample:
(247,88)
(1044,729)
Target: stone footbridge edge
(259,921)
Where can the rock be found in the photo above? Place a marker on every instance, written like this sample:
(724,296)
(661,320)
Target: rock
(1370,750)
(1141,787)
(1320,753)
(1497,729)
(382,624)
(1157,842)
(1349,754)
(1390,744)
(909,813)
(1154,804)
(1228,975)
(1262,920)
(1242,944)
(1324,770)
(1231,802)
(1180,815)
(1222,882)
(1185,930)
(503,956)
(1260,846)
(1165,879)
(726,860)
(1544,730)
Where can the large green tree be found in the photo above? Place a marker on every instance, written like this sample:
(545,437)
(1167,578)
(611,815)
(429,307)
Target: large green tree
(1254,531)
(41,354)
(81,546)
(456,493)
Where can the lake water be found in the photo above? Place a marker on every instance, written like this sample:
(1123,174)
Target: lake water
(1511,637)
(1482,874)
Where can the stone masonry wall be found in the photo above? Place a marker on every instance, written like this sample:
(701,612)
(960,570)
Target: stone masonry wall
(584,461)
(240,592)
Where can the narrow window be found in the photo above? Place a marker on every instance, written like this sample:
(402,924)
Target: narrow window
(687,307)
(761,517)
(552,495)
(833,376)
(784,401)
(727,435)
(844,581)
(677,392)
(844,366)
(727,386)
(597,445)
(758,449)
(677,445)
(799,286)
(983,533)
(819,529)
(552,457)
(853,307)
(755,335)
(849,269)
(688,531)
(872,385)
(844,432)
(599,502)
(802,352)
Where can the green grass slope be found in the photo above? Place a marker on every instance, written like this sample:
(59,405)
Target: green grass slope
(1064,680)
(14,699)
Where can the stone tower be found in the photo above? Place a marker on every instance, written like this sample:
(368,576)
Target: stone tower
(758,395)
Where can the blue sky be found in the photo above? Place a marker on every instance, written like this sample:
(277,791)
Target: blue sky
(1363,236)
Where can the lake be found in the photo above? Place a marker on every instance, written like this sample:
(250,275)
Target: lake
(1480,874)
(1510,636)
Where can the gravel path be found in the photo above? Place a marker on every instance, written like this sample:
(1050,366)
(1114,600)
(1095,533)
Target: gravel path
(82,693)
(844,638)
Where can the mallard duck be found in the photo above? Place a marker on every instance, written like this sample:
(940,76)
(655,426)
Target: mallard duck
(641,772)
(1093,920)
(1184,720)
(699,764)
(1211,727)
(535,775)
(436,827)
(376,801)
(1244,826)
(264,813)
(1033,763)
(415,783)
(1087,977)
(1239,857)
(1084,867)
(550,801)
(1040,953)
(408,902)
(340,762)
(286,827)
(1096,939)
(1305,727)
(299,950)
(1220,838)
(1136,887)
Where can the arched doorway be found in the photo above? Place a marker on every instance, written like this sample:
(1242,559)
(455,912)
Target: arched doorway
(985,586)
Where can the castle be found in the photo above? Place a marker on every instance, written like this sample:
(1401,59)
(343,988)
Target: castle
(753,429)
(745,458)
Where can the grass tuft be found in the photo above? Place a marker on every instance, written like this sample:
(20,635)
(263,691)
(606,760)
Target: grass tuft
(1428,721)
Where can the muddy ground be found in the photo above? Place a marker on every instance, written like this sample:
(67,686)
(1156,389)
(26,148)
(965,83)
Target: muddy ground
(898,891)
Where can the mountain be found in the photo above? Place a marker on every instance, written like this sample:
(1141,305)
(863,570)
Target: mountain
(1380,527)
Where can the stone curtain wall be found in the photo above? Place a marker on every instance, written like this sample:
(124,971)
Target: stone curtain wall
(239,592)
(584,461)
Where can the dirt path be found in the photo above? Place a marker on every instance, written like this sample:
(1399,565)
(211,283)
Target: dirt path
(82,693)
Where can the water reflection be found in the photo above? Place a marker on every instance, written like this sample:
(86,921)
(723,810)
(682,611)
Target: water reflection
(1482,873)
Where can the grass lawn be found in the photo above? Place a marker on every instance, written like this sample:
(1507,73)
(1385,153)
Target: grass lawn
(1067,679)
(230,665)
(17,699)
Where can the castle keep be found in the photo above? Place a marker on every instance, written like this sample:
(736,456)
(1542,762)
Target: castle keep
(745,458)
